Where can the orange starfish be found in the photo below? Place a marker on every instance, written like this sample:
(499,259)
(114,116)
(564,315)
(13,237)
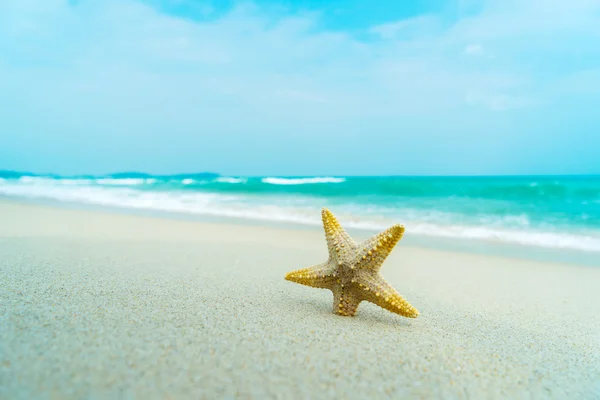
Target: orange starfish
(352,270)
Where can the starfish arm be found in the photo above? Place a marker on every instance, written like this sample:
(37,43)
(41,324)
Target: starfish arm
(318,276)
(377,291)
(337,238)
(373,251)
(345,301)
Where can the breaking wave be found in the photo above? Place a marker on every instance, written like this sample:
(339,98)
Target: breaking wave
(550,213)
(301,181)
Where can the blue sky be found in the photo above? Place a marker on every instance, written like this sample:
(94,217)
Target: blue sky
(298,88)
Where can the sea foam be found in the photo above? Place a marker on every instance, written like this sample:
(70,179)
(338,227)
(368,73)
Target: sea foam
(301,181)
(226,179)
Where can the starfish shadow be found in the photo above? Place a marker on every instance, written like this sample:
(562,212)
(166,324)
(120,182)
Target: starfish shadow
(374,316)
(366,312)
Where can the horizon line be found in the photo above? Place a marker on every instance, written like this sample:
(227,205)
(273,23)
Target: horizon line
(111,174)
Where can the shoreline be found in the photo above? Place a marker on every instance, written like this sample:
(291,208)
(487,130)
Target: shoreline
(101,305)
(461,245)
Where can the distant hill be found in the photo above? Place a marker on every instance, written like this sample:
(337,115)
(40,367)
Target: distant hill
(8,174)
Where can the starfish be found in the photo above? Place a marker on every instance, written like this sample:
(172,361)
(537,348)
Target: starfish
(352,270)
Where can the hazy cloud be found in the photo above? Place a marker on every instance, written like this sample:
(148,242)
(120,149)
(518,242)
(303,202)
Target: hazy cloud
(135,72)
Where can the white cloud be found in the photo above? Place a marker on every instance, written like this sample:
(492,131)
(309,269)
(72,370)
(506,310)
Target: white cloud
(116,75)
(408,28)
(473,49)
(250,60)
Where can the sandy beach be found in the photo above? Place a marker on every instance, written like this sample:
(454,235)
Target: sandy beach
(101,305)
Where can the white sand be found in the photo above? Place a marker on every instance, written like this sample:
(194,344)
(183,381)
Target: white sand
(97,305)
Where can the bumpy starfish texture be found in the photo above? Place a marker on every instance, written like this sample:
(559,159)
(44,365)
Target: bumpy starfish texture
(352,270)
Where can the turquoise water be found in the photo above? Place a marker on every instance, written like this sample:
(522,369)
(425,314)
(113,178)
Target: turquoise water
(551,212)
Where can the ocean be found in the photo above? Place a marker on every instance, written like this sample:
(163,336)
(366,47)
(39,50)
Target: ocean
(560,212)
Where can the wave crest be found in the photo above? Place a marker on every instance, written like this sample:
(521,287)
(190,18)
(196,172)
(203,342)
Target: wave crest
(301,181)
(226,179)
